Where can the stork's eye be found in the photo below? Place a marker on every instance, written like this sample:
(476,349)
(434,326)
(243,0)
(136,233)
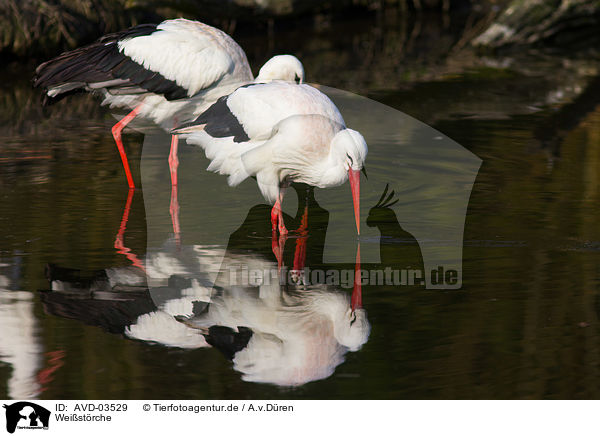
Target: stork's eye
(350,157)
(352,319)
(297,79)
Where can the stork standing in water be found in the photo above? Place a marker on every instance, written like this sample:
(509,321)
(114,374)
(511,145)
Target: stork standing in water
(280,133)
(169,72)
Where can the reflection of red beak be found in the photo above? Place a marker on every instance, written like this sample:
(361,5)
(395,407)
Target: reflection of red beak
(357,291)
(354,176)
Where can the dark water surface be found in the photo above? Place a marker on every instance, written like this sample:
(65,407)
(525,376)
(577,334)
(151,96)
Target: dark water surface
(525,323)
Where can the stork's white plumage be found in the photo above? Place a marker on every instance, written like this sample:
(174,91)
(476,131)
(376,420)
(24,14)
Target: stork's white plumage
(280,133)
(167,73)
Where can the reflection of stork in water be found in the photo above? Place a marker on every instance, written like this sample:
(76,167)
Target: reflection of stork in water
(283,337)
(273,333)
(20,348)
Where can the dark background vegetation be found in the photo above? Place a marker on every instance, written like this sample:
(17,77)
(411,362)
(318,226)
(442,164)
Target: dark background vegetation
(44,27)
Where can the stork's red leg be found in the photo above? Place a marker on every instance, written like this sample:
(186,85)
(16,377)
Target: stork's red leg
(116,131)
(278,244)
(277,214)
(119,245)
(173,160)
(281,226)
(303,223)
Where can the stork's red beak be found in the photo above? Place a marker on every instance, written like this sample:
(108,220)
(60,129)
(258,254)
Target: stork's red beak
(356,300)
(354,176)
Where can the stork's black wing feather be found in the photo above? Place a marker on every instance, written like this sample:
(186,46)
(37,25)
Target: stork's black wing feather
(101,62)
(220,122)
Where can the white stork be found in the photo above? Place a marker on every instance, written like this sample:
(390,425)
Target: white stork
(280,133)
(169,72)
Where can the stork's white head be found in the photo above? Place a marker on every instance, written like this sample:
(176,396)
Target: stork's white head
(348,152)
(282,67)
(350,146)
(353,329)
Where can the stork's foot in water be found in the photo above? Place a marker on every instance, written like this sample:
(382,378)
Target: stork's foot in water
(282,230)
(278,247)
(300,253)
(297,273)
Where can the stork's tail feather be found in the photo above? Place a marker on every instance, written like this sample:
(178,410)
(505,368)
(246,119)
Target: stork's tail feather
(187,128)
(96,63)
(72,70)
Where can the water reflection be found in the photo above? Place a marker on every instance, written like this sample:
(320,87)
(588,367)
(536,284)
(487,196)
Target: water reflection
(193,291)
(237,299)
(20,346)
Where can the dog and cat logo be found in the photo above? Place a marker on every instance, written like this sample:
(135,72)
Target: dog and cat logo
(26,415)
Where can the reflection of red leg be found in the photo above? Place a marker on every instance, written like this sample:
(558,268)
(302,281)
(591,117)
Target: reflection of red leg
(173,160)
(278,246)
(116,131)
(357,291)
(300,254)
(297,272)
(55,361)
(174,210)
(121,249)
